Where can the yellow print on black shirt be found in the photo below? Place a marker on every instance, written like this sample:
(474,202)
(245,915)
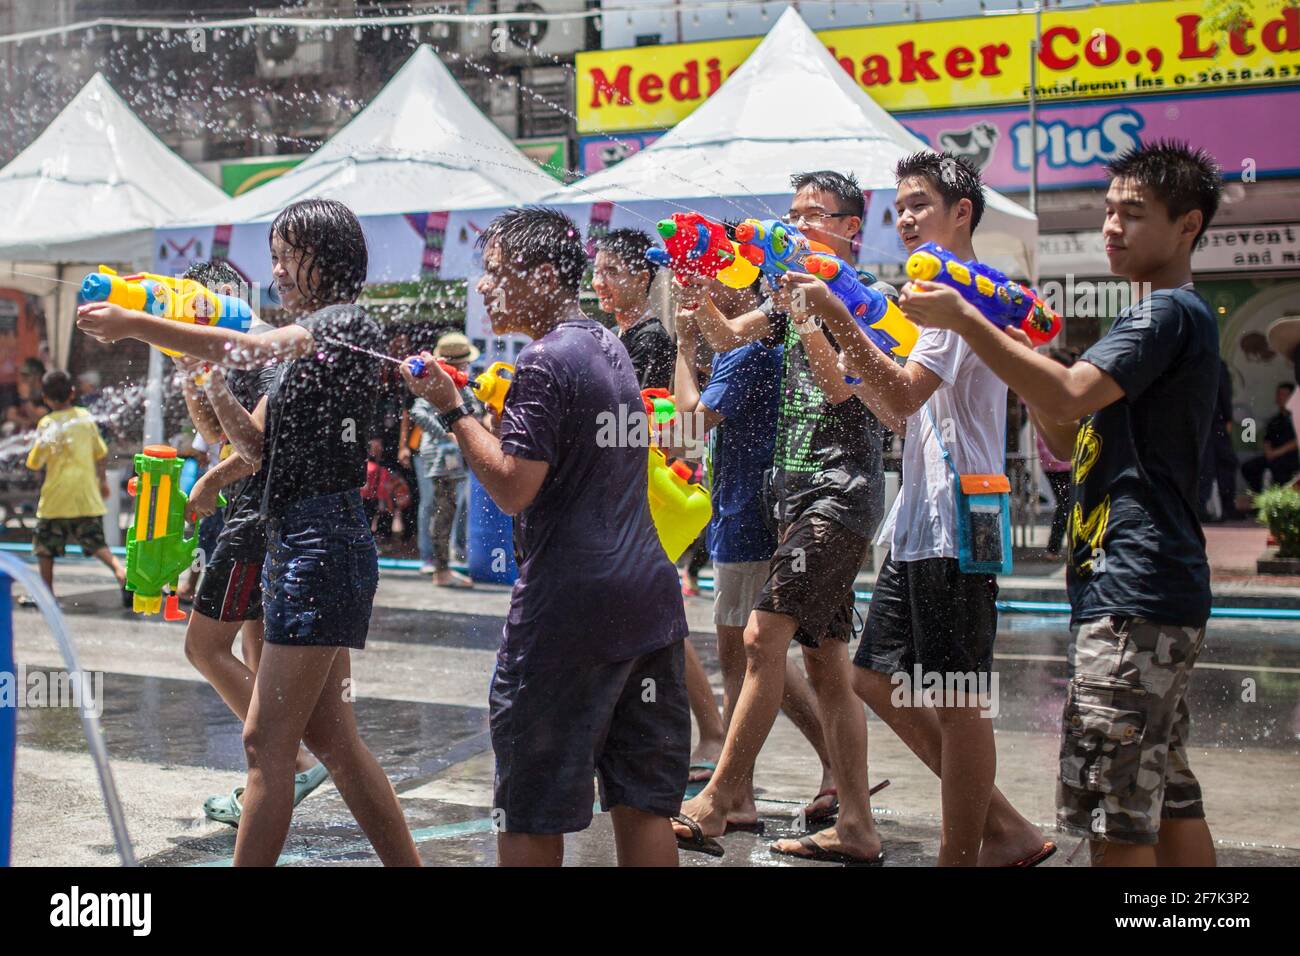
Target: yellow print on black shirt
(1089,528)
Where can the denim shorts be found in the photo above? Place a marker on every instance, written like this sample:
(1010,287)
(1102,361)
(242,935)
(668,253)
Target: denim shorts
(321,573)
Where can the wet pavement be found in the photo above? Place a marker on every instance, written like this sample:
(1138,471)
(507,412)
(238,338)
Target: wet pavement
(422,688)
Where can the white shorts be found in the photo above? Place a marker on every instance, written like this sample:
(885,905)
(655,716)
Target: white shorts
(736,587)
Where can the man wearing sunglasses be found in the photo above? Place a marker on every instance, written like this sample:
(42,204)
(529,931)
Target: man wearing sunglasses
(827,491)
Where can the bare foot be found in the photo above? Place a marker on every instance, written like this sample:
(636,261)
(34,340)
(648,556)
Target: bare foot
(862,844)
(447,578)
(706,752)
(711,817)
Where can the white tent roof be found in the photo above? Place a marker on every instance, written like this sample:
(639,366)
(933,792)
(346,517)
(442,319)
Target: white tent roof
(421,144)
(93,186)
(790,106)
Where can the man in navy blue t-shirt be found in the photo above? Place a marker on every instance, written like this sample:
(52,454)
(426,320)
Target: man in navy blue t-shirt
(589,677)
(1136,409)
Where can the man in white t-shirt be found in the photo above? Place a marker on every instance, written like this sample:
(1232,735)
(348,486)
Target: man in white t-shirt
(928,620)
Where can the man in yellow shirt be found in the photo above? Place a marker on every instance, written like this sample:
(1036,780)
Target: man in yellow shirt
(70,449)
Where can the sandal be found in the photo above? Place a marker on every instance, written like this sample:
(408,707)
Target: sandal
(307,781)
(822,855)
(693,787)
(225,809)
(697,842)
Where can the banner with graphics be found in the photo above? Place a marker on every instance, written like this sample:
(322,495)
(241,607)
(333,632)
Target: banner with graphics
(1241,130)
(1111,51)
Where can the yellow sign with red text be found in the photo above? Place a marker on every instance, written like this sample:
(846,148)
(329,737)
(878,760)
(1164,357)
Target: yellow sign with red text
(1129,50)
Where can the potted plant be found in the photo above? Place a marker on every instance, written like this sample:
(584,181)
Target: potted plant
(1278,507)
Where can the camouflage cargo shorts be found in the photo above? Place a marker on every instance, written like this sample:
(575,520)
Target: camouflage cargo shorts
(53,535)
(1124,731)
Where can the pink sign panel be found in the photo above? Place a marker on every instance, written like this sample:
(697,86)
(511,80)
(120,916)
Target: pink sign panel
(1250,134)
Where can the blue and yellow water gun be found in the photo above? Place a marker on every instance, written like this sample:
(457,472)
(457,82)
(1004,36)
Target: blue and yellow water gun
(181,300)
(876,314)
(999,299)
(776,247)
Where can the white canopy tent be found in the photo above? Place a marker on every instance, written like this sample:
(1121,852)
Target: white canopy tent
(789,107)
(419,150)
(90,189)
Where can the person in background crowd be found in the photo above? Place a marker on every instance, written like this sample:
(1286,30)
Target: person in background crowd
(1280,458)
(441,464)
(70,450)
(621,278)
(1219,463)
(31,406)
(88,386)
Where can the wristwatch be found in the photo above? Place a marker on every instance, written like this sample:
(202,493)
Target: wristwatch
(450,418)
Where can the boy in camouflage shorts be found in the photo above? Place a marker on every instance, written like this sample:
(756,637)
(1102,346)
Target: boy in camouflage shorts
(71,452)
(1136,410)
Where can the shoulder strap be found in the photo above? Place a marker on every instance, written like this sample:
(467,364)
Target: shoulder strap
(942,447)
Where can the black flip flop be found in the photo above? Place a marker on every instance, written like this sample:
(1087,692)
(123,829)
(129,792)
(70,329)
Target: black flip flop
(697,842)
(820,854)
(753,826)
(829,815)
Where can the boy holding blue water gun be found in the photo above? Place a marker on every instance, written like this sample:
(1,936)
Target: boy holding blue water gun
(1136,409)
(827,489)
(931,614)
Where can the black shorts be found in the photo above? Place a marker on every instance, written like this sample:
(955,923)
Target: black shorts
(231,586)
(627,722)
(928,613)
(811,578)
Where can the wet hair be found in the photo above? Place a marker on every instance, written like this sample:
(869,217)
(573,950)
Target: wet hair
(845,188)
(530,236)
(630,245)
(954,177)
(1179,176)
(214,273)
(328,236)
(56,385)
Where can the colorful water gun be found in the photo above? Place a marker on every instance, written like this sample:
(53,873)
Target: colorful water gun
(181,300)
(157,549)
(696,246)
(679,508)
(876,314)
(660,407)
(1001,300)
(489,387)
(776,247)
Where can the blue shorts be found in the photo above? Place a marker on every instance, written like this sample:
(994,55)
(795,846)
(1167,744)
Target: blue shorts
(321,573)
(628,723)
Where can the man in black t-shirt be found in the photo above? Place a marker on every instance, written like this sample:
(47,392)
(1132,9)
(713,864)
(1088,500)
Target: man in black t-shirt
(828,493)
(1280,459)
(1137,412)
(621,278)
